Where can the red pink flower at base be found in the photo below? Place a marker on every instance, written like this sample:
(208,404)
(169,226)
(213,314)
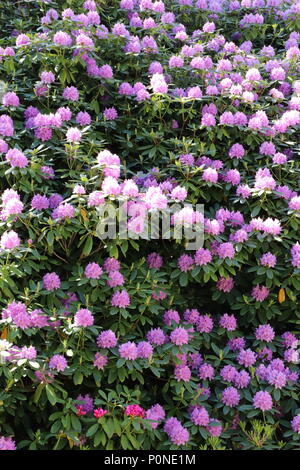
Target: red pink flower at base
(99,412)
(135,411)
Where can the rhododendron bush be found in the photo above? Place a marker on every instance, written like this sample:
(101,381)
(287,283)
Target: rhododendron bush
(140,342)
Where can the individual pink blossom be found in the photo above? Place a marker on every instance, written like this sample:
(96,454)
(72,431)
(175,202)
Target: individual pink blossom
(110,114)
(295,424)
(265,333)
(47,77)
(16,158)
(10,240)
(260,293)
(182,373)
(200,416)
(128,351)
(269,260)
(179,336)
(246,357)
(107,339)
(236,151)
(214,428)
(263,401)
(228,322)
(100,361)
(144,350)
(99,412)
(10,99)
(71,93)
(7,443)
(156,414)
(120,299)
(51,281)
(73,135)
(225,285)
(230,397)
(204,323)
(58,362)
(206,371)
(84,317)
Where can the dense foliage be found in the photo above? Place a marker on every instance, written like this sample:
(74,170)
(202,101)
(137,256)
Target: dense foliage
(133,342)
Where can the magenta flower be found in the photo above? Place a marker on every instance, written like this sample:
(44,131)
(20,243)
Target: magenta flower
(228,322)
(263,401)
(71,93)
(182,372)
(51,281)
(203,257)
(260,293)
(84,317)
(83,118)
(39,202)
(63,211)
(156,336)
(200,416)
(93,271)
(100,361)
(62,39)
(10,99)
(228,373)
(214,428)
(16,158)
(295,424)
(225,285)
(58,362)
(47,77)
(134,411)
(269,260)
(110,114)
(111,264)
(120,299)
(9,240)
(265,333)
(115,279)
(236,151)
(204,324)
(7,443)
(73,135)
(156,413)
(144,350)
(107,339)
(246,357)
(128,351)
(206,371)
(226,250)
(230,397)
(179,336)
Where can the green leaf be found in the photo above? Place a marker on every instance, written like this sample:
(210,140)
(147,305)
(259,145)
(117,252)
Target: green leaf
(92,430)
(50,238)
(88,246)
(51,394)
(132,439)
(98,438)
(76,424)
(277,394)
(117,426)
(38,392)
(183,279)
(124,442)
(78,377)
(255,211)
(114,252)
